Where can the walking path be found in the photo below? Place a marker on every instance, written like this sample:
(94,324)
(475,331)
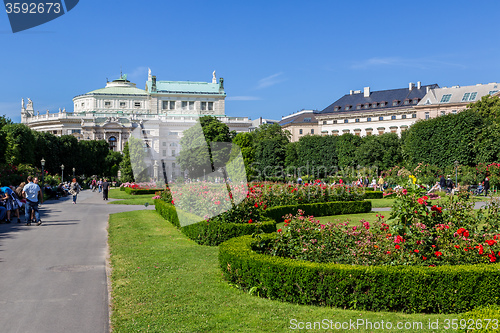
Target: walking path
(53,276)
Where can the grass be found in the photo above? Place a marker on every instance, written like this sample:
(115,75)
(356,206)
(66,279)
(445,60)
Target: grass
(381,203)
(127,199)
(163,282)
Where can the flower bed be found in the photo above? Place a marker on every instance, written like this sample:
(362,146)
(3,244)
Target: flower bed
(321,209)
(444,289)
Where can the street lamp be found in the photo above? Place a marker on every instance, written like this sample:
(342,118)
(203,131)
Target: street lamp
(62,173)
(73,172)
(43,172)
(456,174)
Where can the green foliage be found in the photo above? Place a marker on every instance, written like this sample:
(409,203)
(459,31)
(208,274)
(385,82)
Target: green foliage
(270,151)
(136,191)
(20,144)
(137,156)
(382,151)
(483,319)
(448,289)
(373,195)
(347,145)
(246,143)
(320,209)
(316,156)
(127,175)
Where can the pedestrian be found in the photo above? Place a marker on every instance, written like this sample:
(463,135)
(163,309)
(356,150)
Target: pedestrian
(299,180)
(381,183)
(32,193)
(12,202)
(74,189)
(486,186)
(99,183)
(105,189)
(449,184)
(442,183)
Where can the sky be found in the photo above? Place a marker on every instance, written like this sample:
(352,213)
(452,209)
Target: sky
(276,57)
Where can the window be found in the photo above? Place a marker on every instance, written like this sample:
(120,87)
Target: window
(393,117)
(337,108)
(454,111)
(374,105)
(395,103)
(324,122)
(469,96)
(382,104)
(473,96)
(415,101)
(427,116)
(493,92)
(347,107)
(300,131)
(137,104)
(368,133)
(112,143)
(168,105)
(367,105)
(164,153)
(184,105)
(207,106)
(76,131)
(403,116)
(369,119)
(407,102)
(307,120)
(334,121)
(312,130)
(173,133)
(346,121)
(83,104)
(358,106)
(108,104)
(443,113)
(173,152)
(164,143)
(173,144)
(466,97)
(210,106)
(380,118)
(203,106)
(187,105)
(414,115)
(357,120)
(123,104)
(445,98)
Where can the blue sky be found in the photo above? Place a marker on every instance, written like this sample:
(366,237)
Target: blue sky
(276,57)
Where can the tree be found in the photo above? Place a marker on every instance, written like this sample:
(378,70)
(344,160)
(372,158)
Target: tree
(270,150)
(127,175)
(246,143)
(137,156)
(200,149)
(3,137)
(113,160)
(347,145)
(20,144)
(317,155)
(380,151)
(93,157)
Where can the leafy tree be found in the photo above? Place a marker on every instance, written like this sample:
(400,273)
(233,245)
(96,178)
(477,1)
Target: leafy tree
(347,145)
(20,144)
(317,155)
(137,156)
(127,175)
(47,146)
(270,150)
(113,160)
(93,156)
(246,143)
(3,137)
(200,150)
(381,151)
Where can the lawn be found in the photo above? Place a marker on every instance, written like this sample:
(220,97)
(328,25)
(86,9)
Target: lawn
(163,282)
(127,199)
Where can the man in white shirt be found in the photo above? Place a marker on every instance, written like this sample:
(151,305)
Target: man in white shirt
(31,192)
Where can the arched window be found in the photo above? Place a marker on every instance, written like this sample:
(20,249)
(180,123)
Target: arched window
(112,143)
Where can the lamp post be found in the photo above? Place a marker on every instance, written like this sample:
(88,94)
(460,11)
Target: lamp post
(203,174)
(43,172)
(62,173)
(456,173)
(73,172)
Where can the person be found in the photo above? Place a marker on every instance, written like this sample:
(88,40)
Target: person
(105,189)
(32,193)
(486,186)
(12,202)
(449,184)
(94,185)
(435,188)
(99,183)
(74,189)
(299,180)
(442,182)
(19,190)
(381,183)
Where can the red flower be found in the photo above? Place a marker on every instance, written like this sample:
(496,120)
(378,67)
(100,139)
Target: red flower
(438,253)
(279,230)
(405,191)
(397,247)
(425,197)
(460,231)
(420,201)
(466,233)
(424,258)
(416,251)
(250,221)
(388,252)
(256,205)
(457,246)
(491,242)
(433,246)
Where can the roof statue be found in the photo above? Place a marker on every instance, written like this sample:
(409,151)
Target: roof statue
(149,74)
(30,104)
(214,79)
(22,103)
(123,77)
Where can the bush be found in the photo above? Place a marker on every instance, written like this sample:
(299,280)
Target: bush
(134,191)
(446,289)
(321,209)
(373,195)
(476,319)
(210,232)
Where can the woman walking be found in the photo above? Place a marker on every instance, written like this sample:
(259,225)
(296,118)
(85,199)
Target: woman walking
(74,189)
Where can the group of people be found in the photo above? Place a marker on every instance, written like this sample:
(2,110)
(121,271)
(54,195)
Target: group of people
(13,198)
(101,186)
(447,185)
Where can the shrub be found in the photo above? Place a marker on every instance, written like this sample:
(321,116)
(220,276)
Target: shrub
(446,289)
(483,319)
(373,195)
(321,209)
(134,191)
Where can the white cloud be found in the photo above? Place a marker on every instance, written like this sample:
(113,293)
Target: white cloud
(421,63)
(243,98)
(270,80)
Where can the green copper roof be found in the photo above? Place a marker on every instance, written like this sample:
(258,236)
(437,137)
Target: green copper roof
(186,87)
(118,91)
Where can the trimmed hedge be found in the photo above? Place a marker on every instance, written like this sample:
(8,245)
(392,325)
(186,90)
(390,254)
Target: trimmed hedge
(373,195)
(134,191)
(321,209)
(476,318)
(210,233)
(444,289)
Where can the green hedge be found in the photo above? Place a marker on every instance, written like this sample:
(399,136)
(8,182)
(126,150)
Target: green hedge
(210,233)
(134,191)
(373,195)
(320,209)
(444,289)
(475,319)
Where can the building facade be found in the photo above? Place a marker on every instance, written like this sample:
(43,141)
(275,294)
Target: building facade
(373,112)
(160,113)
(300,123)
